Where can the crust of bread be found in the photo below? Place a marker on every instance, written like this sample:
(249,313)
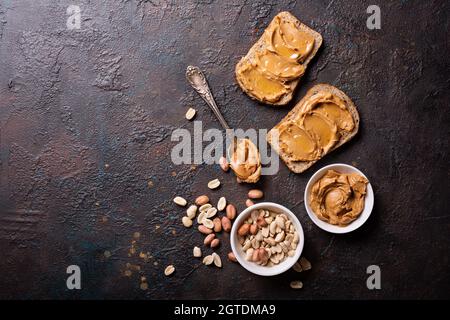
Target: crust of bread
(261,45)
(300,166)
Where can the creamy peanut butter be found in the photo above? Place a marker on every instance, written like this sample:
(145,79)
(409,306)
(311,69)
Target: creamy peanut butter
(245,160)
(260,85)
(324,117)
(297,143)
(276,67)
(338,198)
(290,42)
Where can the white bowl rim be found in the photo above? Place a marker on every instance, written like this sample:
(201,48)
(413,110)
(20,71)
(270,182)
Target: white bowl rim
(261,270)
(368,205)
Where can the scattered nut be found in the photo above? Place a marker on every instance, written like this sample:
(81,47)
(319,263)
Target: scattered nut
(249,203)
(226,224)
(197,252)
(169,270)
(201,217)
(215,243)
(191,211)
(214,184)
(208,223)
(201,200)
(221,204)
(205,207)
(211,212)
(255,194)
(180,201)
(204,229)
(208,239)
(217,224)
(296,284)
(231,211)
(306,265)
(186,222)
(208,260)
(217,260)
(190,114)
(231,257)
(224,164)
(297,267)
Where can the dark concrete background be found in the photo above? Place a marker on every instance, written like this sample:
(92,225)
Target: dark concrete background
(85,123)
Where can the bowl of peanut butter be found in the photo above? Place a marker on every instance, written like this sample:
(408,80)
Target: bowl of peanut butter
(339,198)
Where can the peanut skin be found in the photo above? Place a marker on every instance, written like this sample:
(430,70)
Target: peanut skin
(231,211)
(204,229)
(226,224)
(208,239)
(217,224)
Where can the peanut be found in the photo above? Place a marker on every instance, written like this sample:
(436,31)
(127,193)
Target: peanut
(215,243)
(217,224)
(231,211)
(231,257)
(255,256)
(249,203)
(226,224)
(253,229)
(201,200)
(261,222)
(244,229)
(208,239)
(255,194)
(204,229)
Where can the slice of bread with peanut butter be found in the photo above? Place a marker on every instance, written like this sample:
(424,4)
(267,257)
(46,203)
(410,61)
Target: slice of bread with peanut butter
(273,66)
(323,120)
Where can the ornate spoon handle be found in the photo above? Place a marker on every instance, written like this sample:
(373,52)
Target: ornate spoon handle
(198,81)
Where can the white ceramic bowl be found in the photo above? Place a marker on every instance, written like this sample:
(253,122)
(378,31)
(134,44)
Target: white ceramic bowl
(253,267)
(368,204)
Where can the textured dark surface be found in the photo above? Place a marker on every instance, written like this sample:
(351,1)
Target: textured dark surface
(85,123)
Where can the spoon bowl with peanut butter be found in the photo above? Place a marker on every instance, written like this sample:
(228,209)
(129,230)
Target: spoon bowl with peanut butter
(243,155)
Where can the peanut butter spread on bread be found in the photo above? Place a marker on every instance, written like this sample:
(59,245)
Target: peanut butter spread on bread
(317,129)
(278,62)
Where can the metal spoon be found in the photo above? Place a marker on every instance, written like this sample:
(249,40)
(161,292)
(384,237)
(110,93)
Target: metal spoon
(198,81)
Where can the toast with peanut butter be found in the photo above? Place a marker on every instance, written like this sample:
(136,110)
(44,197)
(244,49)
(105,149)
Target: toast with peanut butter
(273,66)
(323,120)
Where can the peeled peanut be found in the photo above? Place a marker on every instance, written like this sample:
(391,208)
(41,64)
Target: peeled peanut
(226,224)
(244,229)
(204,229)
(255,194)
(255,256)
(253,229)
(249,203)
(208,239)
(260,221)
(215,243)
(217,224)
(232,257)
(231,211)
(201,200)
